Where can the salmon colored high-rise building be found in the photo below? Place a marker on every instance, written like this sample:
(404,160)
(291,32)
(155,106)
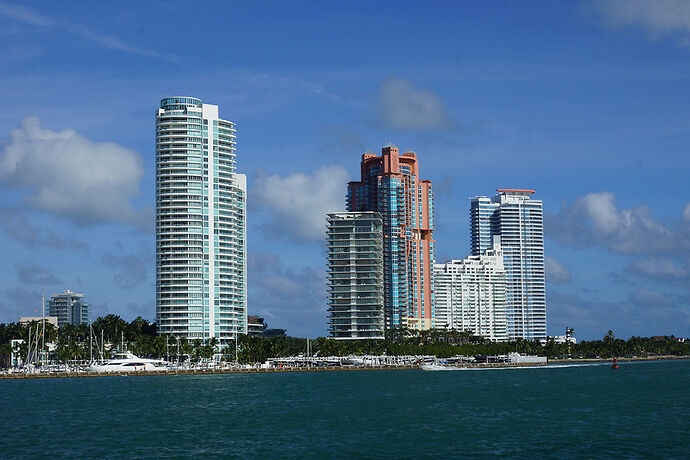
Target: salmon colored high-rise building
(390,185)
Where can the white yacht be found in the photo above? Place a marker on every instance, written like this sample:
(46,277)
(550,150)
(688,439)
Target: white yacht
(440,367)
(128,363)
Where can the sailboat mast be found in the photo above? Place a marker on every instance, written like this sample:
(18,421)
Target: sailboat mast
(28,350)
(43,320)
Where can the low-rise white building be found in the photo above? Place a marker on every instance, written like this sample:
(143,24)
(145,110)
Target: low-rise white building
(470,294)
(561,339)
(25,320)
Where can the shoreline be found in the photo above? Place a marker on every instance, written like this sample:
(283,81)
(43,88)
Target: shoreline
(238,371)
(620,360)
(20,376)
(203,372)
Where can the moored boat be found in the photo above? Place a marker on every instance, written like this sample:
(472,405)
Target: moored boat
(439,367)
(128,363)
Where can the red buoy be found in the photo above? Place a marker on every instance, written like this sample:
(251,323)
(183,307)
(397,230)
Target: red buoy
(615,364)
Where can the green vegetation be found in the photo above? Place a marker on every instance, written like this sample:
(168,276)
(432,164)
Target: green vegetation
(73,343)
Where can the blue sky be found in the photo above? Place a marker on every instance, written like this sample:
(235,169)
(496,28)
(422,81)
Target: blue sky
(585,102)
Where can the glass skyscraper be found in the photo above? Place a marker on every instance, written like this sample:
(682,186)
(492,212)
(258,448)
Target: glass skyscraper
(201,257)
(518,221)
(390,185)
(355,275)
(69,308)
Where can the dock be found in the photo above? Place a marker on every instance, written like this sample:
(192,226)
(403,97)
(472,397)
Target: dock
(39,375)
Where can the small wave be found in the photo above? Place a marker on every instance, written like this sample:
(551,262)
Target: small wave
(503,368)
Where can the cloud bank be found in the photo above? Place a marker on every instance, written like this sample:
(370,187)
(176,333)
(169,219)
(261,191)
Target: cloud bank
(404,107)
(596,220)
(71,176)
(656,18)
(298,203)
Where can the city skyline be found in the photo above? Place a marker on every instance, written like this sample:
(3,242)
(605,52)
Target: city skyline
(581,101)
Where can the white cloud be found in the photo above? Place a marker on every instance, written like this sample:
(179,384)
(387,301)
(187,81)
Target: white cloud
(72,176)
(298,203)
(595,219)
(656,18)
(404,107)
(556,272)
(686,212)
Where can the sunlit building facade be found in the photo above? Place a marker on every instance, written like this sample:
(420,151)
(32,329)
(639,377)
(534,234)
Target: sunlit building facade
(390,185)
(201,257)
(471,295)
(518,220)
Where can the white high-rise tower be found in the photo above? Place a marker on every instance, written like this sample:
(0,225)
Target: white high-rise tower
(518,221)
(201,257)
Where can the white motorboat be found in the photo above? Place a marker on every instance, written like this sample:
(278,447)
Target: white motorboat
(439,367)
(129,363)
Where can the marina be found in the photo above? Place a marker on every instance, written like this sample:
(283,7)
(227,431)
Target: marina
(129,364)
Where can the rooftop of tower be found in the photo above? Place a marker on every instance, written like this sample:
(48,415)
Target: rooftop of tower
(518,191)
(180,100)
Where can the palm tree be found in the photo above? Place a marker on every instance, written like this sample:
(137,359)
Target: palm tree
(569,332)
(609,342)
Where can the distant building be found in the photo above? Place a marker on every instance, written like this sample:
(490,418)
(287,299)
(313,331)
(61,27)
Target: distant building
(355,275)
(518,221)
(471,295)
(663,338)
(24,320)
(69,308)
(561,339)
(201,227)
(390,185)
(257,327)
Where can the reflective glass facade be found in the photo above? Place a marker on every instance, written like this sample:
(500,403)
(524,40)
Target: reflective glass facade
(355,275)
(69,308)
(390,185)
(518,221)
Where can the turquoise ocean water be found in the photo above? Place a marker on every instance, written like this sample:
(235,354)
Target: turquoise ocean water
(640,410)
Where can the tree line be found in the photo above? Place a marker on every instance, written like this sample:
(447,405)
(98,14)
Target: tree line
(78,342)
